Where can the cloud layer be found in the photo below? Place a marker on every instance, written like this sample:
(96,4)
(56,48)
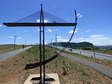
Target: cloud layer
(71,31)
(96,39)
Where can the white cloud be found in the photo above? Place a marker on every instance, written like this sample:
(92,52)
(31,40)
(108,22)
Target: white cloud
(96,39)
(19,37)
(11,37)
(100,37)
(45,21)
(97,36)
(45,43)
(61,39)
(49,30)
(0,25)
(79,15)
(58,37)
(71,31)
(52,30)
(87,31)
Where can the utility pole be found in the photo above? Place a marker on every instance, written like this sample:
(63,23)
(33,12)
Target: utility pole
(24,44)
(15,37)
(56,39)
(51,42)
(93,51)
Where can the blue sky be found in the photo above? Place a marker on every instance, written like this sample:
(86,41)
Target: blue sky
(94,23)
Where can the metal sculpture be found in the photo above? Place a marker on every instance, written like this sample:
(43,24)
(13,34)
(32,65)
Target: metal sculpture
(42,26)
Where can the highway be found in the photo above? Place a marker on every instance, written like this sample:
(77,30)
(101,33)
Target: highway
(6,55)
(88,53)
(91,54)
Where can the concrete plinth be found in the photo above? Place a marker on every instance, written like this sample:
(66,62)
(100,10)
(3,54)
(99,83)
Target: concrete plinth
(51,78)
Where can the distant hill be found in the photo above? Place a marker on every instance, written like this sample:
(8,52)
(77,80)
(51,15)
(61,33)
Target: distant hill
(74,45)
(105,47)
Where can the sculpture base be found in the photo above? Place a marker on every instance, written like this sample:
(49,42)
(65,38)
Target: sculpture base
(51,78)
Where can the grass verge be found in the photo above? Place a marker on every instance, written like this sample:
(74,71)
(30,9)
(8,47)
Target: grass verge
(6,48)
(92,59)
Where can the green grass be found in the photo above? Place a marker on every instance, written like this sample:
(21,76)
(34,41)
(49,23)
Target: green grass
(92,59)
(6,48)
(108,52)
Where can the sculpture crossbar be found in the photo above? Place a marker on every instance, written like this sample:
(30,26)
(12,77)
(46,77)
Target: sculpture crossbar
(38,24)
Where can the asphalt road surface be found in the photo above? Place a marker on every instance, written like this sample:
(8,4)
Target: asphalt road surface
(13,53)
(92,54)
(107,71)
(89,53)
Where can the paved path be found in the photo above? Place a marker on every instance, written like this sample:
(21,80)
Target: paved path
(95,54)
(13,53)
(89,53)
(107,71)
